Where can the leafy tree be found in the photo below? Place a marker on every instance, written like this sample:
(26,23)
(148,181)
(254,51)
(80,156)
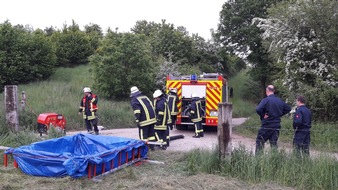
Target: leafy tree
(165,38)
(24,55)
(95,34)
(304,48)
(168,67)
(122,61)
(50,30)
(73,46)
(238,36)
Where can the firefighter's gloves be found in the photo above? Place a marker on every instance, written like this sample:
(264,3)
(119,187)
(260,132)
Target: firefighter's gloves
(171,127)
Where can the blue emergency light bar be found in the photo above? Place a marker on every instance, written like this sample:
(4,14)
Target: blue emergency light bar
(193,77)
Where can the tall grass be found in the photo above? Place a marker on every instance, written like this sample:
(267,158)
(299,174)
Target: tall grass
(275,166)
(324,136)
(62,94)
(241,107)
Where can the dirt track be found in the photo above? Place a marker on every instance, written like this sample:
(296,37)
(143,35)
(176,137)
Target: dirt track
(188,143)
(209,140)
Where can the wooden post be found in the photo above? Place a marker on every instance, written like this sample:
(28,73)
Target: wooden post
(224,130)
(11,107)
(23,101)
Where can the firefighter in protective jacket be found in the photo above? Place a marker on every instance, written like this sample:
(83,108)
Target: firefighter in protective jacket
(163,118)
(196,115)
(144,115)
(88,108)
(172,103)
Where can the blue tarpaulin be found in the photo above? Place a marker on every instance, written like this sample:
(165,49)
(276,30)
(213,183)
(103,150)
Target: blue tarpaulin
(70,155)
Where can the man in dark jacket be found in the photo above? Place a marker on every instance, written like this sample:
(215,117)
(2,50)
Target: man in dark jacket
(172,103)
(88,109)
(302,125)
(144,115)
(163,118)
(196,115)
(270,110)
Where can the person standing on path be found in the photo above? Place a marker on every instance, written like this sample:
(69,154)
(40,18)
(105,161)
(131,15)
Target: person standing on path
(88,109)
(270,111)
(302,125)
(144,115)
(196,115)
(172,99)
(163,118)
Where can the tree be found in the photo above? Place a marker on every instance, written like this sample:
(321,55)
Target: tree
(165,38)
(168,67)
(306,50)
(73,47)
(24,55)
(238,36)
(122,61)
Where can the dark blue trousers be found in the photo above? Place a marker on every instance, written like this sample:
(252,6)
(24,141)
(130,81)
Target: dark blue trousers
(265,134)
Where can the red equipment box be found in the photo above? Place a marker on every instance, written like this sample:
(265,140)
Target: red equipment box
(45,120)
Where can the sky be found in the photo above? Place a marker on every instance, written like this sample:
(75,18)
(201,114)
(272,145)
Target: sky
(197,16)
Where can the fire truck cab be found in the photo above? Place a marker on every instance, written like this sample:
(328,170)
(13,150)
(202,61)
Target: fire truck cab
(212,88)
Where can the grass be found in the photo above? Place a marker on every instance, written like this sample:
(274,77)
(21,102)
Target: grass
(241,108)
(324,136)
(172,175)
(275,166)
(193,170)
(62,94)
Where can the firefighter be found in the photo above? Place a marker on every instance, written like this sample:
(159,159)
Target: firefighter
(196,115)
(88,109)
(163,118)
(144,115)
(172,103)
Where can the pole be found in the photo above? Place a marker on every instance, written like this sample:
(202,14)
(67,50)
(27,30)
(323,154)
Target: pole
(23,101)
(224,130)
(11,107)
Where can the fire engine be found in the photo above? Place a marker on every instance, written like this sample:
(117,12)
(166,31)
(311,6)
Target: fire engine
(212,88)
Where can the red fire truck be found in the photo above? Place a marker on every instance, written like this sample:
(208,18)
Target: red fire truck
(212,88)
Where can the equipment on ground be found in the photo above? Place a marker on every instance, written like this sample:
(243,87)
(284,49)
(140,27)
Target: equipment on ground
(211,88)
(46,120)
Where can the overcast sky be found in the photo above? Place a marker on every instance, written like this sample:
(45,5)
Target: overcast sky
(197,16)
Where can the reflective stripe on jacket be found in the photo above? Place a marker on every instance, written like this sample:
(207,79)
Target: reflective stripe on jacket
(88,106)
(196,110)
(162,114)
(172,103)
(143,110)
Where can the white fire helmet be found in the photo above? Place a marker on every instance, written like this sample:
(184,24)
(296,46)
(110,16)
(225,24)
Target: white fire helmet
(194,95)
(86,89)
(173,90)
(157,93)
(133,89)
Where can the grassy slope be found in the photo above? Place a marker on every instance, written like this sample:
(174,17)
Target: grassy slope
(62,94)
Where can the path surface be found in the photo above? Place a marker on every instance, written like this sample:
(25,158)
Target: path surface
(188,143)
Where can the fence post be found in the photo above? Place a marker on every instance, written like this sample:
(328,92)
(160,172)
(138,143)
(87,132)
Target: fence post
(11,106)
(224,130)
(23,101)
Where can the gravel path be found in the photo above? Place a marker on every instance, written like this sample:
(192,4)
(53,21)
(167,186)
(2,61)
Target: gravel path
(187,143)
